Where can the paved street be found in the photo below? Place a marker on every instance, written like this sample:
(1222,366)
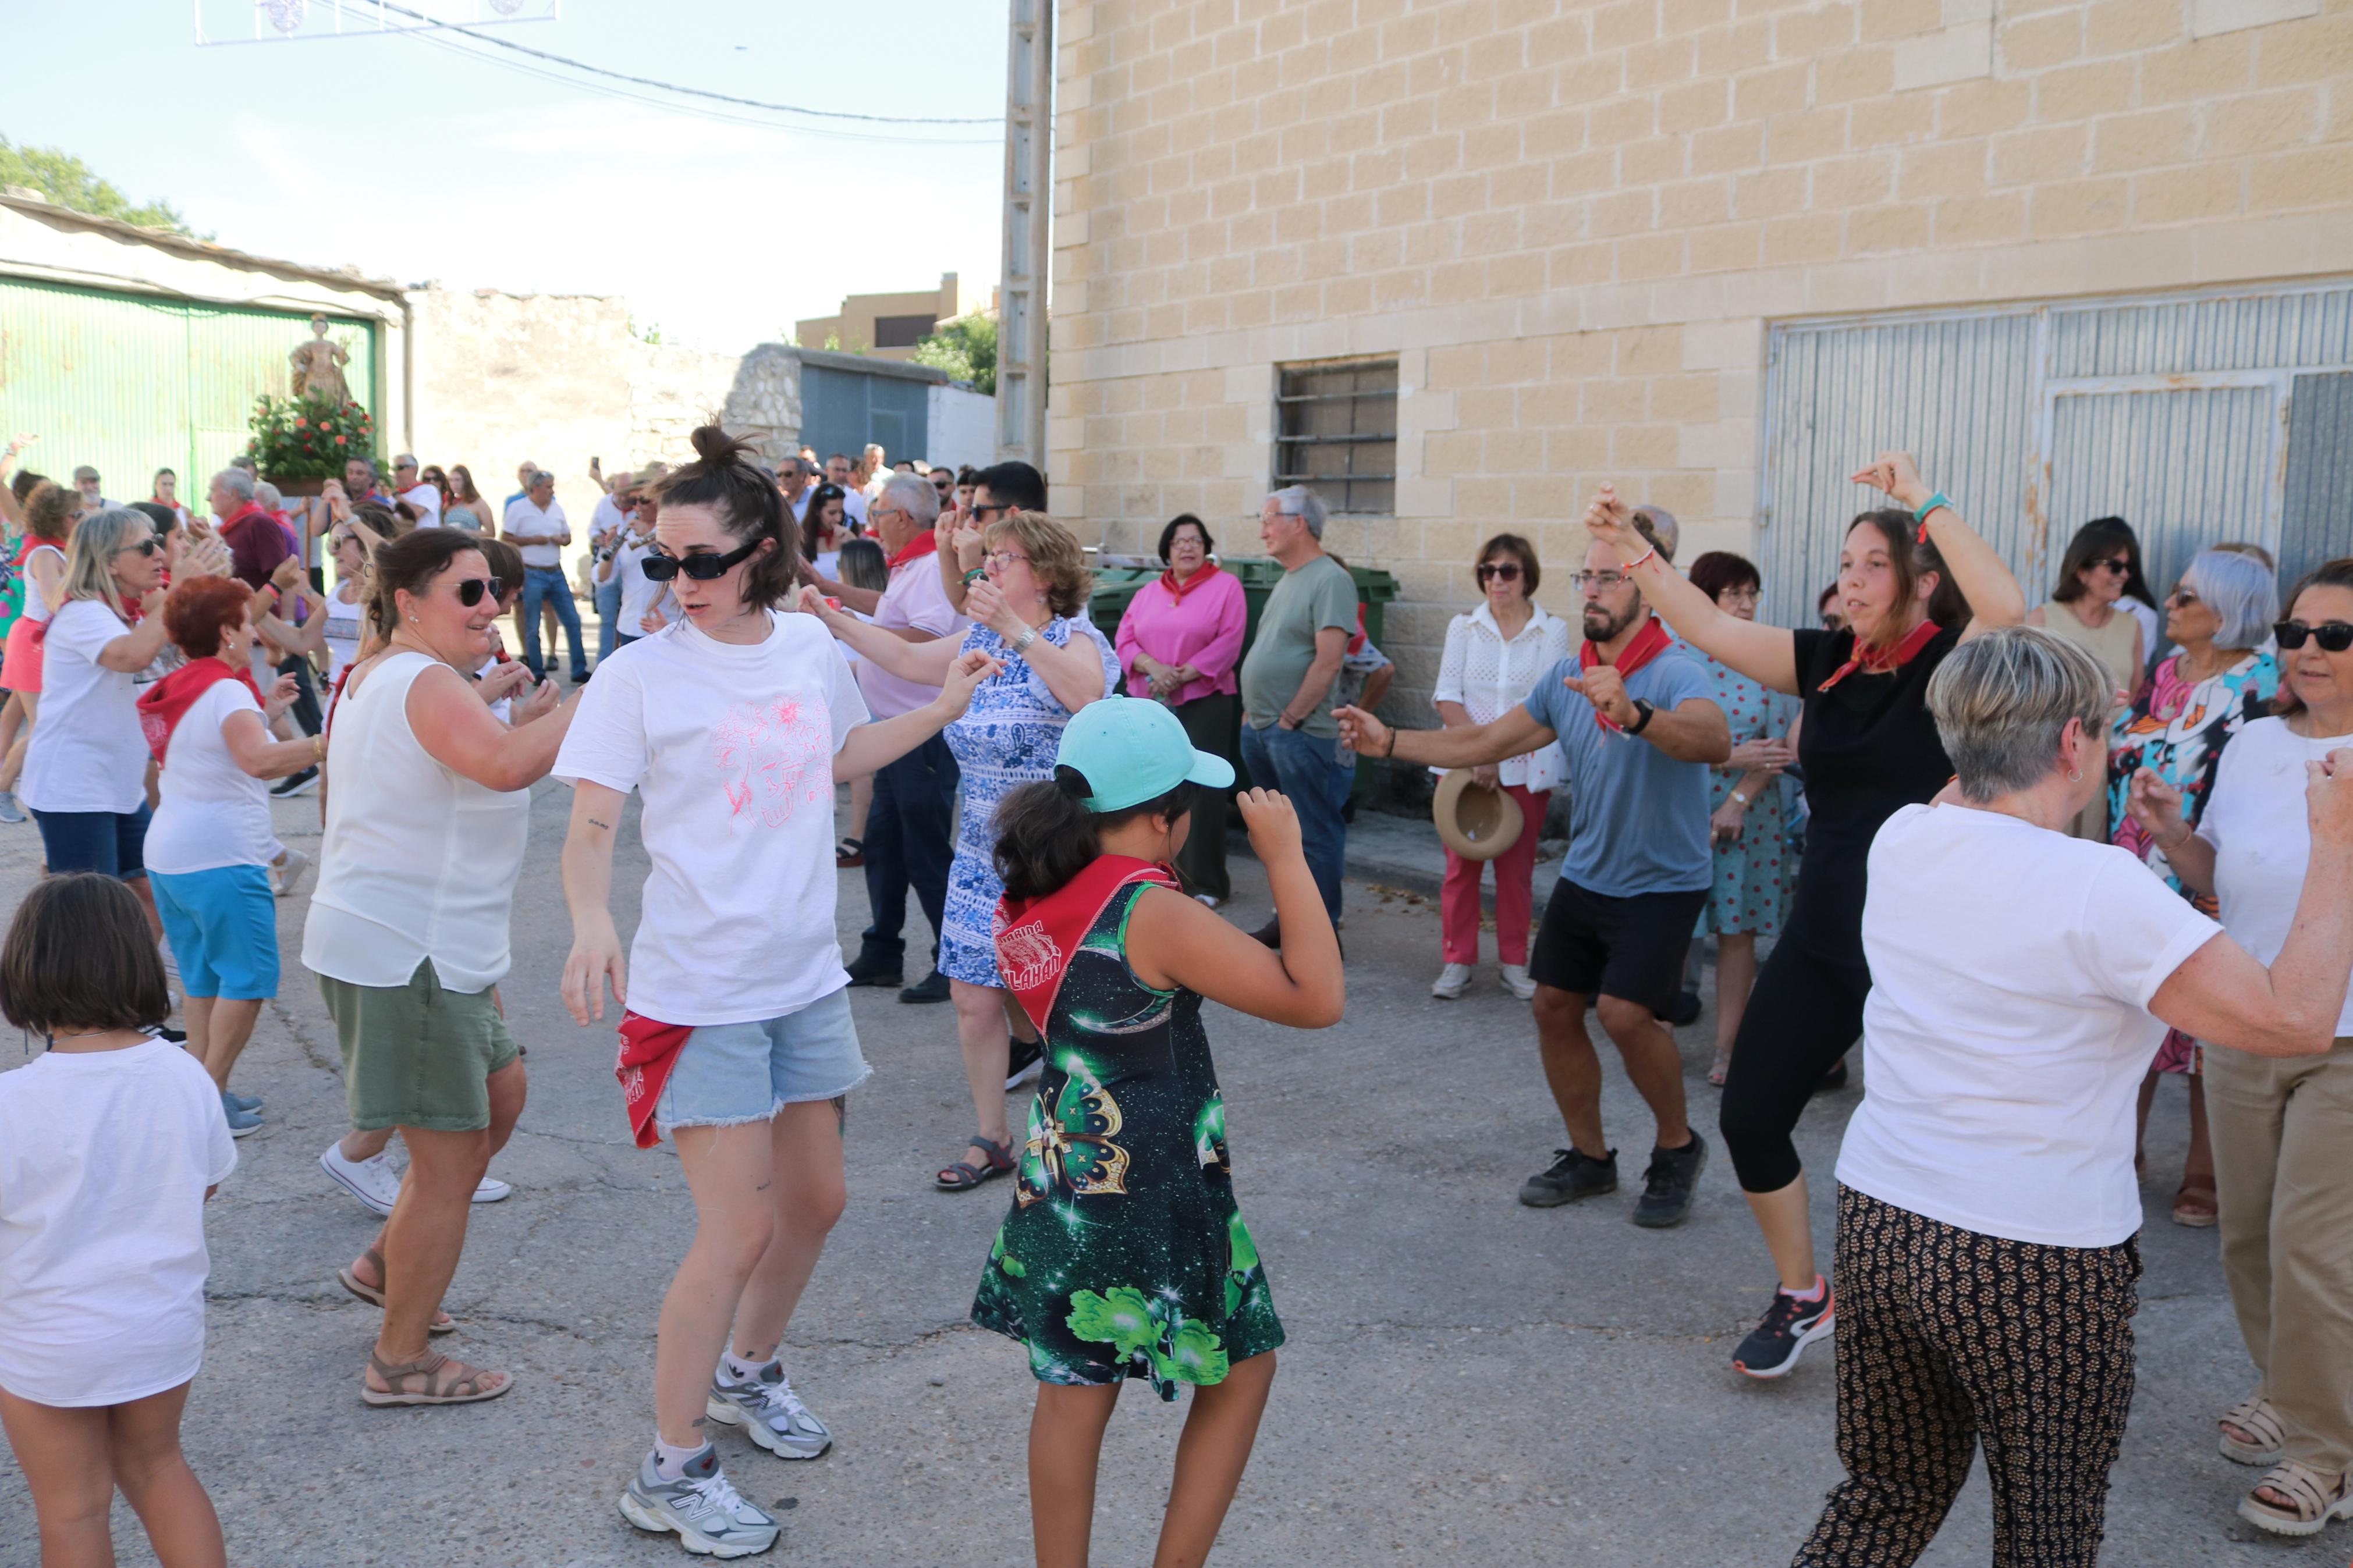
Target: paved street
(1467,1380)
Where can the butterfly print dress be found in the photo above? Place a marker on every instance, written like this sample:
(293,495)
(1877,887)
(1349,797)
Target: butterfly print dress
(1124,1254)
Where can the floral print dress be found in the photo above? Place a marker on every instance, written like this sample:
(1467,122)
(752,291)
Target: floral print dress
(1124,1254)
(1754,874)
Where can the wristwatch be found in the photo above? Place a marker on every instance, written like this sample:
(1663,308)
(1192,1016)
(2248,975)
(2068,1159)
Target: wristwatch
(1739,797)
(1642,711)
(1021,644)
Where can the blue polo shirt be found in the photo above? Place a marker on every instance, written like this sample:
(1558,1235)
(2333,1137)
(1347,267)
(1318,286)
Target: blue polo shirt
(1637,817)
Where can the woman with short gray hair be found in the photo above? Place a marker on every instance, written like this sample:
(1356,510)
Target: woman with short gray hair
(2219,616)
(1988,1211)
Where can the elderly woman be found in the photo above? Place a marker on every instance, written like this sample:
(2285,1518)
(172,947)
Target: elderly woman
(2086,608)
(1987,1257)
(2193,702)
(1028,606)
(1748,821)
(1178,643)
(2282,1130)
(1494,655)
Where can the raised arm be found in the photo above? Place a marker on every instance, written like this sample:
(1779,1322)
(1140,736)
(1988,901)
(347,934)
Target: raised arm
(924,663)
(1073,671)
(884,741)
(458,731)
(1995,598)
(1766,655)
(1514,734)
(2156,807)
(246,736)
(136,649)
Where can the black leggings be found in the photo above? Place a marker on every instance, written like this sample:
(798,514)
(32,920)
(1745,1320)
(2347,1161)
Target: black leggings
(1804,1014)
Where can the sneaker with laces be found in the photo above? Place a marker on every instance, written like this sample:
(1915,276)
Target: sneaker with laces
(374,1181)
(711,1517)
(766,1407)
(1572,1176)
(1669,1182)
(293,784)
(1516,981)
(286,877)
(9,810)
(242,1123)
(1451,981)
(1772,1347)
(1023,1063)
(490,1190)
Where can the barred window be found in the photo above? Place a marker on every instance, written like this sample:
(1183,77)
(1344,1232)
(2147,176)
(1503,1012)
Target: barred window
(903,332)
(1336,433)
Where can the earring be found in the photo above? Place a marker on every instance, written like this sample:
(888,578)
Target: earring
(2074,775)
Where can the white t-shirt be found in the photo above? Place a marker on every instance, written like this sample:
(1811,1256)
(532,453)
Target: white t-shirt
(2007,1028)
(104,1160)
(526,523)
(428,503)
(639,591)
(214,812)
(87,754)
(733,746)
(2263,840)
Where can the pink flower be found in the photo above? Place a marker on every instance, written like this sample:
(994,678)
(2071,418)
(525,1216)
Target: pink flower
(301,424)
(339,440)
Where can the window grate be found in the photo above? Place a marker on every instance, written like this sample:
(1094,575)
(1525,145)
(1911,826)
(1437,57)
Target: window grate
(1336,433)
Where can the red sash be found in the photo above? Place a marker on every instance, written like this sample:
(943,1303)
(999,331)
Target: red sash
(1177,591)
(168,701)
(922,544)
(648,1050)
(1874,660)
(1648,644)
(1037,939)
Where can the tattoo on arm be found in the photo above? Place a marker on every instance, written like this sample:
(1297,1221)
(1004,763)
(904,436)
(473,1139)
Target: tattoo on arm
(605,826)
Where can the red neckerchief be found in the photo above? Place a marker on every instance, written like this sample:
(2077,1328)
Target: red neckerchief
(166,703)
(1037,938)
(922,544)
(1176,591)
(1874,660)
(1648,644)
(648,1050)
(1357,641)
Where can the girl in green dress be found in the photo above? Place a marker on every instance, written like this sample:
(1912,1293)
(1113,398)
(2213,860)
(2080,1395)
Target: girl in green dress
(1124,1254)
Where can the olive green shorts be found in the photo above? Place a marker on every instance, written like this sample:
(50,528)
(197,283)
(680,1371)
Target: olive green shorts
(417,1055)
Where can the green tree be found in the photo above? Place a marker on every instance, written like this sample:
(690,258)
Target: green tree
(967,349)
(66,181)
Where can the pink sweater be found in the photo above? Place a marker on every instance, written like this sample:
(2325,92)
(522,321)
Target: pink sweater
(1204,629)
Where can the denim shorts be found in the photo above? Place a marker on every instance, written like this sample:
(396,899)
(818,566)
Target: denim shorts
(112,843)
(223,924)
(729,1074)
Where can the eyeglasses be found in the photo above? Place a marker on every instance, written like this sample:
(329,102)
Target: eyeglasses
(979,511)
(702,568)
(1001,558)
(2181,599)
(147,546)
(1739,597)
(471,589)
(945,487)
(2118,564)
(2334,636)
(1602,580)
(1499,570)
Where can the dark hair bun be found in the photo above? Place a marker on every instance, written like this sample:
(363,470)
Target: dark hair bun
(715,446)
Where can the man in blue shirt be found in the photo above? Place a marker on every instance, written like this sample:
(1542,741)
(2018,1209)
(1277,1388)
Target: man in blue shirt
(1635,717)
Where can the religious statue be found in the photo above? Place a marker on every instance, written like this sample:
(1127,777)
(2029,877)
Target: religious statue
(319,367)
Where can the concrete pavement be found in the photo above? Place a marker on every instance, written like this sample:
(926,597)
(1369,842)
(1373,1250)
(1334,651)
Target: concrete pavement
(1466,1379)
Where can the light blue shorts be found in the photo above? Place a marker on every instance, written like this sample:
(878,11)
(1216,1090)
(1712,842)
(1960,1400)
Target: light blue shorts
(729,1074)
(222,926)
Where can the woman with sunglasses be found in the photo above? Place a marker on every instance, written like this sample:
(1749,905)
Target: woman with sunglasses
(408,933)
(1029,601)
(2283,1128)
(2086,608)
(733,724)
(1494,655)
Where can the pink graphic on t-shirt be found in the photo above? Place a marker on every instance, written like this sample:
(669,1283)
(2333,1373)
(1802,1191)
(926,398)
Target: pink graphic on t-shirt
(764,751)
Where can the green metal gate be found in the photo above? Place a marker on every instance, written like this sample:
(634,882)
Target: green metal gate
(133,382)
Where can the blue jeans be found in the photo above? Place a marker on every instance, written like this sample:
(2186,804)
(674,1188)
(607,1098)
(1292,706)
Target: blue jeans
(1309,771)
(112,843)
(542,583)
(910,842)
(608,616)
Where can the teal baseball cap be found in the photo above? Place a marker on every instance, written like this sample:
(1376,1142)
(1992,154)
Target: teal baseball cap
(1132,751)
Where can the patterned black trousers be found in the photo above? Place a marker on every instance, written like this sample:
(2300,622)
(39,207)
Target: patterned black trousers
(1948,1339)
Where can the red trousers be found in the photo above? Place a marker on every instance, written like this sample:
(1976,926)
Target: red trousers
(1457,898)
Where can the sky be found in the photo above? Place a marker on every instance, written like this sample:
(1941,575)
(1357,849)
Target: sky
(421,160)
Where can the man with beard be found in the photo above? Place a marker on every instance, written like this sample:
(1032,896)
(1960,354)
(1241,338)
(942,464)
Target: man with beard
(1636,719)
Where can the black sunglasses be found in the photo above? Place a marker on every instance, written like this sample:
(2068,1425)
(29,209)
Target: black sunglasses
(2334,636)
(1509,570)
(2118,564)
(147,546)
(702,568)
(471,589)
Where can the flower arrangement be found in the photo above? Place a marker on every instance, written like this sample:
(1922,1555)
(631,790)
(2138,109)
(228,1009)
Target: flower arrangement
(304,439)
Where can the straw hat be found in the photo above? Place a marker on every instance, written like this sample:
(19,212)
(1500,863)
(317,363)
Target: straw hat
(1477,823)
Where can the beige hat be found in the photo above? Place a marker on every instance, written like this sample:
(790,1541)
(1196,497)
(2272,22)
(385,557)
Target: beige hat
(1477,823)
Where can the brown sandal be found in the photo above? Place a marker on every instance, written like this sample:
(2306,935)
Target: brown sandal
(442,1324)
(446,1381)
(964,1175)
(2194,1204)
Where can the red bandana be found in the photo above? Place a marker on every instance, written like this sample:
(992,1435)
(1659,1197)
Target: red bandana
(168,701)
(1177,591)
(1037,939)
(1874,660)
(922,544)
(648,1050)
(1648,644)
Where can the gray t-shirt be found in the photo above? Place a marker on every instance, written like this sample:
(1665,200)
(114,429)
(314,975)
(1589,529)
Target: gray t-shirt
(1317,596)
(1637,818)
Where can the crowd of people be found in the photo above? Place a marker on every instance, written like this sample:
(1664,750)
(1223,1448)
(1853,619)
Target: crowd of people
(2030,858)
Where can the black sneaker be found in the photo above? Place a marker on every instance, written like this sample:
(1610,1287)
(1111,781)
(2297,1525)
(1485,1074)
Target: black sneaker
(1669,1182)
(1772,1347)
(296,784)
(933,987)
(1685,1010)
(1571,1177)
(873,971)
(1023,1064)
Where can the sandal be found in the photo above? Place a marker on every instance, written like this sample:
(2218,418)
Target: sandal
(2194,1204)
(2254,1416)
(849,852)
(2314,1497)
(1719,1070)
(442,1324)
(446,1381)
(964,1175)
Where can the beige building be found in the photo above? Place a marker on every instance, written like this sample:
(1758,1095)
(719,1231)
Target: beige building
(887,326)
(1462,260)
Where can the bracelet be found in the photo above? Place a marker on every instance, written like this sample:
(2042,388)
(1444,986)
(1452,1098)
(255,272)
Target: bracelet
(1021,644)
(974,576)
(319,748)
(1392,751)
(1939,500)
(1640,559)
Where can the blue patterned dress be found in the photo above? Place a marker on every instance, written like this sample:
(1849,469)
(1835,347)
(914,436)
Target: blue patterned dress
(1008,738)
(1754,875)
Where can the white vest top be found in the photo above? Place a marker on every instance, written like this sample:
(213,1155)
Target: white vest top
(417,862)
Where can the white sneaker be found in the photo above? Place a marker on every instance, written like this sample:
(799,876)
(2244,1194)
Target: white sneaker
(374,1181)
(1516,981)
(490,1190)
(286,877)
(1451,981)
(1207,900)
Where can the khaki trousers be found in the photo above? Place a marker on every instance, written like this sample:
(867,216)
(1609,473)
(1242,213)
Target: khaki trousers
(2283,1130)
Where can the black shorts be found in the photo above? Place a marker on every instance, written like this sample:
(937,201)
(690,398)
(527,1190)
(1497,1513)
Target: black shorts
(1632,948)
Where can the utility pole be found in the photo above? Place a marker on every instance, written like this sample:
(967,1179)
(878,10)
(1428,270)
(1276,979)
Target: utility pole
(1028,203)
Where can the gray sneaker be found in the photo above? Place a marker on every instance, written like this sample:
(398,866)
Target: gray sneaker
(711,1519)
(9,810)
(772,1414)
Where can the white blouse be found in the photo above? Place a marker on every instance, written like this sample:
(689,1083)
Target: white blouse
(1490,675)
